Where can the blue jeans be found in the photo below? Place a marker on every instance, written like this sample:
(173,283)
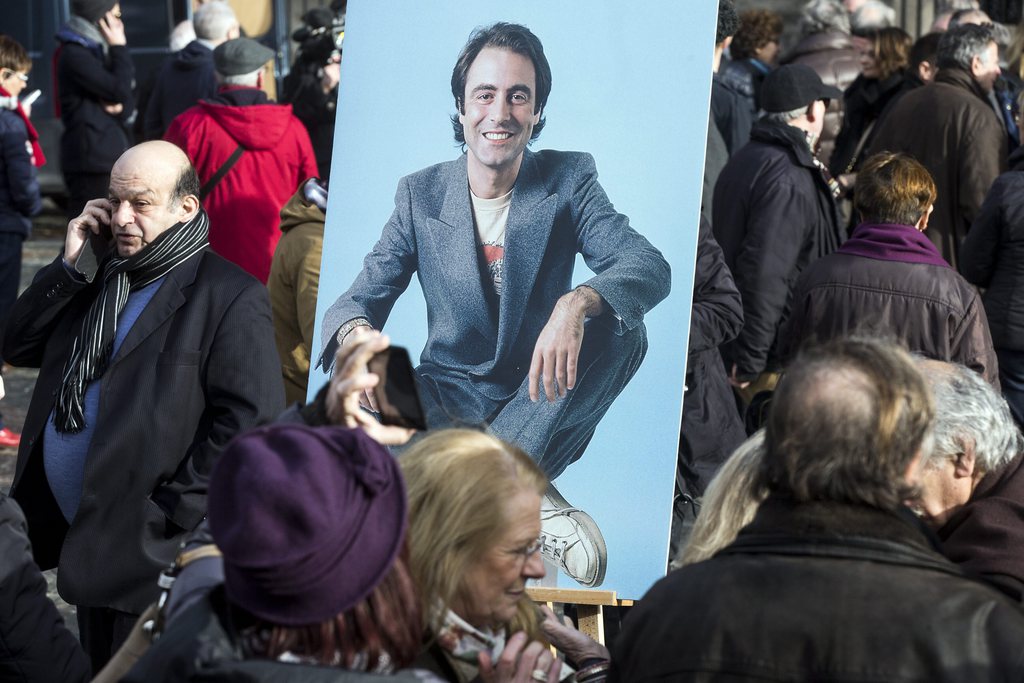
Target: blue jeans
(554,434)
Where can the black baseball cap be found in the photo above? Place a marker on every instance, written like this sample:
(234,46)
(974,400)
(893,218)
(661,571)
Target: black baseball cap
(793,86)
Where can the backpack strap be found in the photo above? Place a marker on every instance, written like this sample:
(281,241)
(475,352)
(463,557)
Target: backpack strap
(221,172)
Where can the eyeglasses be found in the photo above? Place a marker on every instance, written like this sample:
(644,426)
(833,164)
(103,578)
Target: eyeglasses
(528,551)
(21,77)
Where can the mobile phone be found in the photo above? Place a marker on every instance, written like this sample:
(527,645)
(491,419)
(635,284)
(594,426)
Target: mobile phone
(396,393)
(29,99)
(99,247)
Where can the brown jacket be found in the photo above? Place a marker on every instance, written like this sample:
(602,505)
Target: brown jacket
(949,127)
(293,284)
(931,309)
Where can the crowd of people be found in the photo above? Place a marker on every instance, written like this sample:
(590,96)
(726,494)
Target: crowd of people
(850,493)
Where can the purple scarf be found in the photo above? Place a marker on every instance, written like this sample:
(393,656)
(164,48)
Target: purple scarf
(892,242)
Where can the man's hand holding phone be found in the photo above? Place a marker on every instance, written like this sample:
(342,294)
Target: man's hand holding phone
(112,28)
(93,224)
(352,379)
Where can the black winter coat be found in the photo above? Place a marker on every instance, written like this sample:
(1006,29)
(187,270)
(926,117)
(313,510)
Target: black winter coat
(822,592)
(19,187)
(711,426)
(93,139)
(316,109)
(716,155)
(184,78)
(197,367)
(732,112)
(774,215)
(34,644)
(863,103)
(746,76)
(992,256)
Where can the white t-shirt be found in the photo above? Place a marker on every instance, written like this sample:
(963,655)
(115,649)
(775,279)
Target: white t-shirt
(491,218)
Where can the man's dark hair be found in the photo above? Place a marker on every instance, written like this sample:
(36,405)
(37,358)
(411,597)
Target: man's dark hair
(516,38)
(187,183)
(960,45)
(728,21)
(924,50)
(758,27)
(846,420)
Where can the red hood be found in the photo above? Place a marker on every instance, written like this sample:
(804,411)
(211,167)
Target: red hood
(256,126)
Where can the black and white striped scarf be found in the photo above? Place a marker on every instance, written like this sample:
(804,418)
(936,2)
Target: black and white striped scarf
(92,348)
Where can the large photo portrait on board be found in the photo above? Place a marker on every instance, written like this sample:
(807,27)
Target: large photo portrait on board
(538,250)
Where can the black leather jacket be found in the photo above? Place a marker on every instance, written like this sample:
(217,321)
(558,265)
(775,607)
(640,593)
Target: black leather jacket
(822,591)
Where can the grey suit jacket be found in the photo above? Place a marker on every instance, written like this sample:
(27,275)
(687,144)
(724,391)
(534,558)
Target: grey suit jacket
(558,210)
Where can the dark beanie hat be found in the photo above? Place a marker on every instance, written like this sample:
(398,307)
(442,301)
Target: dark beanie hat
(309,520)
(92,10)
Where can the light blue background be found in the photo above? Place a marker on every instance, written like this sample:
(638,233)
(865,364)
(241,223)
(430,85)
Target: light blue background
(630,85)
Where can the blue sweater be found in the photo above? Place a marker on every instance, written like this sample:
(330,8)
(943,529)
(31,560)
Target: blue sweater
(64,455)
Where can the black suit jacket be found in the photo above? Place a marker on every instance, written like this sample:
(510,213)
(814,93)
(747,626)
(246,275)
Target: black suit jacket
(197,367)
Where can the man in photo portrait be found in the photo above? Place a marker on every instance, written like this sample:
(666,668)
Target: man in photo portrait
(493,237)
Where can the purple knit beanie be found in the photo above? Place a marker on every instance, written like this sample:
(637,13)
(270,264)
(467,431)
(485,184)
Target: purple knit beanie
(309,519)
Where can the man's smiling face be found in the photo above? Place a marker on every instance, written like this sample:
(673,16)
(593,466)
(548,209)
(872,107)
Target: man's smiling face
(498,109)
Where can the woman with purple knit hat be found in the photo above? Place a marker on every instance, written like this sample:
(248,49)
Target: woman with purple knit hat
(889,280)
(311,524)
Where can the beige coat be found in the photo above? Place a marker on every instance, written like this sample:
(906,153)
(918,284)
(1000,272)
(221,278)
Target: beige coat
(293,284)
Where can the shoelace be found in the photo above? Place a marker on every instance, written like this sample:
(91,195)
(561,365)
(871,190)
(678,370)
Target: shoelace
(554,550)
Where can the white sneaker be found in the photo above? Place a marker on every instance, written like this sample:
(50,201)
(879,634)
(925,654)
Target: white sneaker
(570,538)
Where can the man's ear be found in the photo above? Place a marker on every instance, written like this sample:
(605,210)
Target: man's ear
(925,71)
(977,65)
(811,117)
(965,464)
(188,208)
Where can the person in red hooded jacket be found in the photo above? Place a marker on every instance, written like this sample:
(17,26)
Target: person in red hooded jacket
(251,155)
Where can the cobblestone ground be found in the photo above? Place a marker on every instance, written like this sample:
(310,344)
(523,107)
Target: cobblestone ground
(43,247)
